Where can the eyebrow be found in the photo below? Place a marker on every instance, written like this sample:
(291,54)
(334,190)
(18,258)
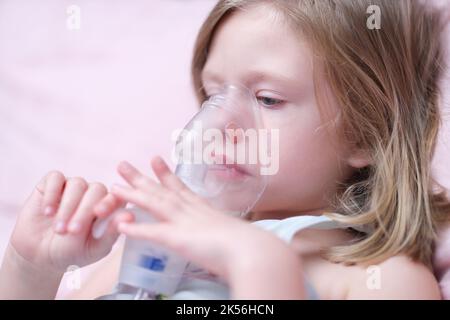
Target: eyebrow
(253,76)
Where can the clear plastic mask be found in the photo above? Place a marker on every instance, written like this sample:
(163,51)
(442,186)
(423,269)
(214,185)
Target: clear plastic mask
(221,153)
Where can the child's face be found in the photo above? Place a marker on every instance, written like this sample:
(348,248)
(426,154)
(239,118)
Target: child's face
(255,49)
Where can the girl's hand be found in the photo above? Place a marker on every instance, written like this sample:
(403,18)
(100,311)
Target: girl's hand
(188,225)
(53,230)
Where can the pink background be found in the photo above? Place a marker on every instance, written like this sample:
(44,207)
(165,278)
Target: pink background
(81,101)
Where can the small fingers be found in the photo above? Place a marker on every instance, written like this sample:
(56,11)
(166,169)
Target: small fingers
(53,191)
(122,217)
(166,176)
(162,208)
(40,187)
(160,233)
(106,240)
(84,215)
(135,178)
(170,180)
(108,205)
(73,193)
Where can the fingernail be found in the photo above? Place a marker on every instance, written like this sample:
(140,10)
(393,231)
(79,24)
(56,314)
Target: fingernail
(74,227)
(48,210)
(60,226)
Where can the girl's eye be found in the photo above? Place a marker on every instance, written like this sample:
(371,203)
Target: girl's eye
(209,95)
(268,102)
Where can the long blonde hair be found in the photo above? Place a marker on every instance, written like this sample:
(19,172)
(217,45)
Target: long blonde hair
(386,83)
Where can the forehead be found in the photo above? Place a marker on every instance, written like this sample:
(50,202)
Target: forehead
(257,38)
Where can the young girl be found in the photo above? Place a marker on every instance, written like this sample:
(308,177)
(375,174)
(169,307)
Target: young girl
(357,111)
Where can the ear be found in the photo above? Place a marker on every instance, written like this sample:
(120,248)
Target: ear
(359,158)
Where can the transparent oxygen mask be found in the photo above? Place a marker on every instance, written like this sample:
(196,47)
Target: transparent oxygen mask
(223,154)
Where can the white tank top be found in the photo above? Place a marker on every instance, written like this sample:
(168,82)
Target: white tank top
(197,284)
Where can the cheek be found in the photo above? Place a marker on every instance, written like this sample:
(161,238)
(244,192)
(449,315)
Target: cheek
(306,146)
(307,156)
(309,162)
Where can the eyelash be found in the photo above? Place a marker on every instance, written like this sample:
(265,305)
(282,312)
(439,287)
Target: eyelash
(277,102)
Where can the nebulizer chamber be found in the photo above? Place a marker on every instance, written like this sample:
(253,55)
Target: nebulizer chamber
(213,145)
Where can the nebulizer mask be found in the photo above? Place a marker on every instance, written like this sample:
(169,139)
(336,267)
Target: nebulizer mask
(222,154)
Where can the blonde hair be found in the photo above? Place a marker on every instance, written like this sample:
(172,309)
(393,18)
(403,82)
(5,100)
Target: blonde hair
(386,83)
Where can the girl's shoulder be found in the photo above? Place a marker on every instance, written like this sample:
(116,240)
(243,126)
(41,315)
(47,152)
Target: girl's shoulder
(398,277)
